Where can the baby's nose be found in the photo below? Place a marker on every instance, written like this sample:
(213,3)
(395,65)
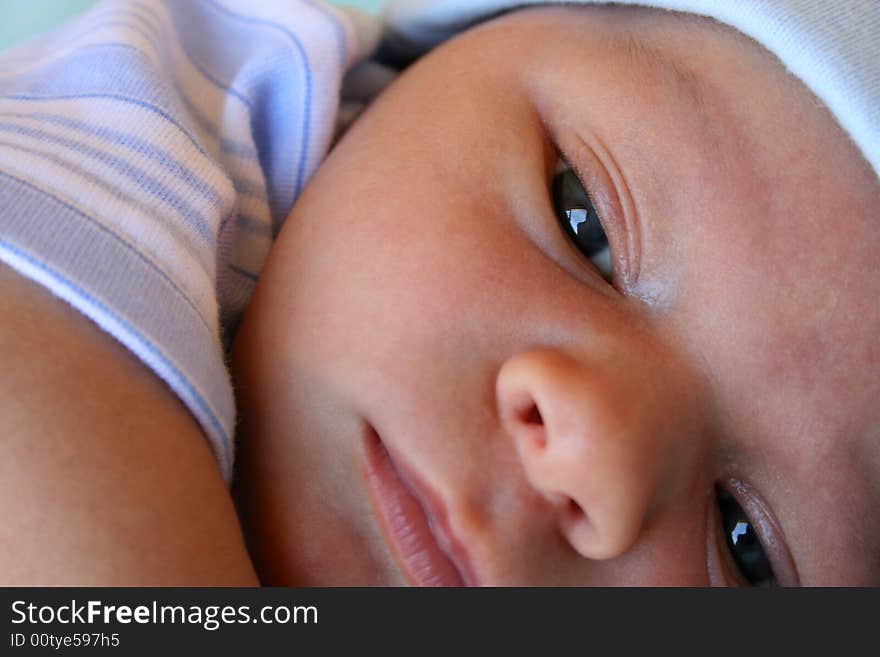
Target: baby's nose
(601,439)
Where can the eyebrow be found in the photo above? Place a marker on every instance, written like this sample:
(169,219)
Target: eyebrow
(705,98)
(686,81)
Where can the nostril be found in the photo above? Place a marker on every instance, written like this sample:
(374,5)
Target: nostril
(579,531)
(574,510)
(525,422)
(531,415)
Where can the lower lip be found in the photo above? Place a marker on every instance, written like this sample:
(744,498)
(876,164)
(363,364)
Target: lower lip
(404,521)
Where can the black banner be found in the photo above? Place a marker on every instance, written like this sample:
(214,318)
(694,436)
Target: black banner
(266,621)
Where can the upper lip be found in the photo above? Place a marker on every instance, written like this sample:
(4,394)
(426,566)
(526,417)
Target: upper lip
(435,512)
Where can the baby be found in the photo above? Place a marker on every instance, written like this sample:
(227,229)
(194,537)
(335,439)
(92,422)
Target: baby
(588,296)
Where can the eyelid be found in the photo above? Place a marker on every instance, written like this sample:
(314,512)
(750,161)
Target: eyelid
(768,529)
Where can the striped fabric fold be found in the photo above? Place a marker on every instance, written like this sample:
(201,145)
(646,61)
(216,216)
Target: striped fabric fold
(149,153)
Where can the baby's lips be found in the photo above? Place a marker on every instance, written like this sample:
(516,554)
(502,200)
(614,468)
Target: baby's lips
(405,523)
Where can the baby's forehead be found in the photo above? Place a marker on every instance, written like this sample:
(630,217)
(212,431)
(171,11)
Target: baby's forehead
(728,140)
(833,51)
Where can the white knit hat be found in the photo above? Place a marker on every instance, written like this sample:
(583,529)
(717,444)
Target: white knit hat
(832,46)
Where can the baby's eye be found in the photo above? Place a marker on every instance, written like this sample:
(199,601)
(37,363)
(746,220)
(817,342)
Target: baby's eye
(743,542)
(579,218)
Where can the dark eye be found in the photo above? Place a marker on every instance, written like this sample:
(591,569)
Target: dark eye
(743,543)
(579,219)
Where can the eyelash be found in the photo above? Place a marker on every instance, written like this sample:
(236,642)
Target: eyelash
(745,530)
(582,223)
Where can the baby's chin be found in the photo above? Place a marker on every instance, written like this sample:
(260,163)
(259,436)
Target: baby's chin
(285,556)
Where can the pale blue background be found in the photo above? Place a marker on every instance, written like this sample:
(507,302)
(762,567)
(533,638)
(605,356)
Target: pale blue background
(20,19)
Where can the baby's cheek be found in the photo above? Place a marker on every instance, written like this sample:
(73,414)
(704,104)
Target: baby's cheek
(302,506)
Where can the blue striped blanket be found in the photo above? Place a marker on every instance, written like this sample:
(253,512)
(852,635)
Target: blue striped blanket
(149,153)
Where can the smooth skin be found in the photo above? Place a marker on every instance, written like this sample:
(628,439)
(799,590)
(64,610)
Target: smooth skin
(105,477)
(571,431)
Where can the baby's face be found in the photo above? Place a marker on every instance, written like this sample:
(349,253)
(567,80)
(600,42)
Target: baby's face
(425,318)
